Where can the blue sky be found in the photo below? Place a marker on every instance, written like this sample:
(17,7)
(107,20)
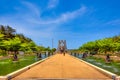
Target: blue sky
(76,21)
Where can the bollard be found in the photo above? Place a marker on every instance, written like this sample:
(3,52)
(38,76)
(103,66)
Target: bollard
(75,54)
(113,77)
(48,54)
(9,77)
(45,55)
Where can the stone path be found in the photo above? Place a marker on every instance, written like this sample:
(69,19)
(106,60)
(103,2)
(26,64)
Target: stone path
(61,67)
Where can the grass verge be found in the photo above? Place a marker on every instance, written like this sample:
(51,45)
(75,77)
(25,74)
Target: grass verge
(113,67)
(7,66)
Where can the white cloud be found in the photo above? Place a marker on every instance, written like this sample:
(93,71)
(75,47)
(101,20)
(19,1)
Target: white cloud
(33,14)
(26,22)
(60,19)
(32,7)
(113,22)
(52,4)
(29,21)
(28,31)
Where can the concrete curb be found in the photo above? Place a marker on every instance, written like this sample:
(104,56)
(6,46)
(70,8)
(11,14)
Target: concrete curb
(105,72)
(15,73)
(118,78)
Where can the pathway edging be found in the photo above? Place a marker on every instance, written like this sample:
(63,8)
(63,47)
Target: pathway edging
(15,73)
(105,72)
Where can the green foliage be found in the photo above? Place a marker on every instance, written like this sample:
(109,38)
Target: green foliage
(23,38)
(41,48)
(8,31)
(1,40)
(53,50)
(11,41)
(1,37)
(103,45)
(12,44)
(48,49)
(32,46)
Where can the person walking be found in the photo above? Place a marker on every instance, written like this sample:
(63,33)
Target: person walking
(64,53)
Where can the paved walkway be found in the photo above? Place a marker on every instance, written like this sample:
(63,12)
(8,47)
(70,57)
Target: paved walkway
(59,66)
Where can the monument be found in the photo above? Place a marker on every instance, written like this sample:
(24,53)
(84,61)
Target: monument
(62,47)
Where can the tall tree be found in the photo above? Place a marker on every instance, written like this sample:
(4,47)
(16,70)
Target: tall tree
(13,45)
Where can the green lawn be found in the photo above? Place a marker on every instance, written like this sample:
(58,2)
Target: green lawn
(8,66)
(113,67)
